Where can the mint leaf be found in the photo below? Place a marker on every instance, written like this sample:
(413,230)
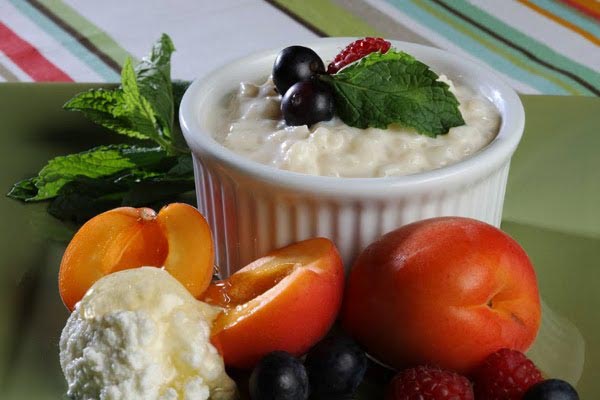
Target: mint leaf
(183,167)
(81,185)
(85,184)
(95,163)
(382,89)
(123,110)
(178,141)
(153,76)
(83,197)
(109,109)
(142,107)
(157,190)
(141,112)
(23,190)
(179,88)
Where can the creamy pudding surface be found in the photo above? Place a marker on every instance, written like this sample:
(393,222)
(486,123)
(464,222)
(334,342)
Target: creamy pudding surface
(253,126)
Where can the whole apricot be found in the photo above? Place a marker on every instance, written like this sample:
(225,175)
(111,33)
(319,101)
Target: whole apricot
(444,291)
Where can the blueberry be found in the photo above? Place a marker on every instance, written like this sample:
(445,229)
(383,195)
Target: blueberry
(307,103)
(295,64)
(279,376)
(551,389)
(336,367)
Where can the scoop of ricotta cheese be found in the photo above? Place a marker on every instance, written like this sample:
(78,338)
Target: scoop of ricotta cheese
(139,334)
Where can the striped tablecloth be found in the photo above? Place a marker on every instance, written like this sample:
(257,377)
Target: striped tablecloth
(539,46)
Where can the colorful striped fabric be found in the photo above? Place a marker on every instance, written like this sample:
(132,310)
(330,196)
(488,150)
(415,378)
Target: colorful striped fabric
(590,7)
(539,46)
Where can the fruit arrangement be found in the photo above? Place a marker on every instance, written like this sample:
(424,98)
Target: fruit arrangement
(450,303)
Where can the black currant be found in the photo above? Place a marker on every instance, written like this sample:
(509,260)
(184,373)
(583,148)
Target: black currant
(279,376)
(336,367)
(551,389)
(307,103)
(295,64)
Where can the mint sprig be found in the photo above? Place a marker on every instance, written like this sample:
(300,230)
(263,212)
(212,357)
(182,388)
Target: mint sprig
(99,162)
(394,87)
(142,107)
(152,171)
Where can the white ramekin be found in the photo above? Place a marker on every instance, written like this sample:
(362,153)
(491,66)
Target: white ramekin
(253,208)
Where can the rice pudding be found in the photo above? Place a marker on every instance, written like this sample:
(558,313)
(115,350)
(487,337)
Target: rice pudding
(253,126)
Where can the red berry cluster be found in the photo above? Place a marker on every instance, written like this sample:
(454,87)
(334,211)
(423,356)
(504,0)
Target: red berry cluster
(504,375)
(357,50)
(429,383)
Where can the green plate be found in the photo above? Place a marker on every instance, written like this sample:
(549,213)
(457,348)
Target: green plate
(551,209)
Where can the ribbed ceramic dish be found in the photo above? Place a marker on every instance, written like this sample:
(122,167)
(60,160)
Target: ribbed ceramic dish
(253,208)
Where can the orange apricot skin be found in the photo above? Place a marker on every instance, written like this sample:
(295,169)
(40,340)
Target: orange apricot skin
(115,240)
(191,254)
(177,238)
(291,316)
(445,291)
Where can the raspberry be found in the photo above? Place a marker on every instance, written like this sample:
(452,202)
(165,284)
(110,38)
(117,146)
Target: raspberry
(505,375)
(357,50)
(429,383)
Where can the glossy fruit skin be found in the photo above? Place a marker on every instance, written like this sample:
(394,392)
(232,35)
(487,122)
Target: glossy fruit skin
(417,293)
(307,103)
(177,238)
(336,366)
(279,376)
(551,389)
(286,300)
(505,375)
(295,64)
(429,383)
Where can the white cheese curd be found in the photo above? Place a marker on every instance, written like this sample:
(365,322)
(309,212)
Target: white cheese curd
(139,334)
(254,127)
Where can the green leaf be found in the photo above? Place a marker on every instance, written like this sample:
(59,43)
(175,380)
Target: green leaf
(109,109)
(83,197)
(183,167)
(178,141)
(142,107)
(155,190)
(394,87)
(85,184)
(153,76)
(23,190)
(95,163)
(179,88)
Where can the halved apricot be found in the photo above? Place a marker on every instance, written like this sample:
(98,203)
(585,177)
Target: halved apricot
(287,300)
(178,238)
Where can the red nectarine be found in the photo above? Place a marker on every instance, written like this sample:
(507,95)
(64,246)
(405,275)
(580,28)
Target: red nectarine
(445,291)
